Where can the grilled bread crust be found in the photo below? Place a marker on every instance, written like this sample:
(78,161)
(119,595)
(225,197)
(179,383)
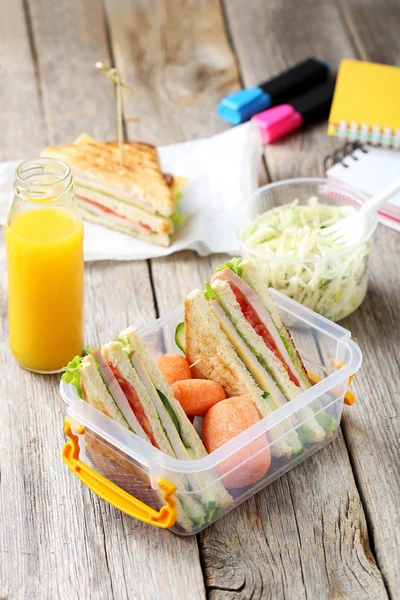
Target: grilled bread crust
(140,176)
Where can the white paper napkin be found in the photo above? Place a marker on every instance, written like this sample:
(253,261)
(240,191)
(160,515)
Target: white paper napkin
(222,171)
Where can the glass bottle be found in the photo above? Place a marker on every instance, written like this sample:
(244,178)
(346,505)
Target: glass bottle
(44,236)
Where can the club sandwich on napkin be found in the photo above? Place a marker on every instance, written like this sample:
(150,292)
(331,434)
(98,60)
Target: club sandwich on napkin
(135,197)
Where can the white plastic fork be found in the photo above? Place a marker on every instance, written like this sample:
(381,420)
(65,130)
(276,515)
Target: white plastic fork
(352,228)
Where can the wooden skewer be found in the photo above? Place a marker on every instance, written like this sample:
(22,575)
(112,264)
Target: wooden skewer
(120,121)
(196,362)
(114,76)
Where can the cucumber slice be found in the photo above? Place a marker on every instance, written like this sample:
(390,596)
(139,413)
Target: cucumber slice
(180,336)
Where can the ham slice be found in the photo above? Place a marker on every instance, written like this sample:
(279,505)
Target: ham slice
(175,440)
(118,395)
(109,213)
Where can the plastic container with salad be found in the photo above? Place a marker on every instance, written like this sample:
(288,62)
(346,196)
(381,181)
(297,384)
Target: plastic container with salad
(279,229)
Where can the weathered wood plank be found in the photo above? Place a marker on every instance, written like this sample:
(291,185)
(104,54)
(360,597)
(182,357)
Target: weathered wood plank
(56,537)
(179,81)
(372,430)
(76,96)
(22,132)
(291,540)
(374,28)
(21,120)
(178,58)
(181,67)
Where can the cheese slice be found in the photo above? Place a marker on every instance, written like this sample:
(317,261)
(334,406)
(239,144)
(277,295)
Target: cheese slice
(178,184)
(261,376)
(83,138)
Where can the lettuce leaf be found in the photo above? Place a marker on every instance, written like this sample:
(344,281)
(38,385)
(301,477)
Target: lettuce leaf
(72,375)
(126,346)
(178,198)
(177,217)
(209,293)
(233,265)
(292,354)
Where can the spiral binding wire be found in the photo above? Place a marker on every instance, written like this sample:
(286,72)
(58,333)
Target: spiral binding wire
(364,134)
(345,151)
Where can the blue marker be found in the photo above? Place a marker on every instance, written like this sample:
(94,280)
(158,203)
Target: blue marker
(241,106)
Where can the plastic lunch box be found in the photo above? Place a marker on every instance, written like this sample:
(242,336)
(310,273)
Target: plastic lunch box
(137,478)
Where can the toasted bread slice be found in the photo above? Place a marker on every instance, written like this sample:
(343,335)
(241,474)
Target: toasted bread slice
(114,354)
(139,180)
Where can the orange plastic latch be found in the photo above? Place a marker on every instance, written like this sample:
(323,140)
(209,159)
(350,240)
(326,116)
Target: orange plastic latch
(113,494)
(349,397)
(339,365)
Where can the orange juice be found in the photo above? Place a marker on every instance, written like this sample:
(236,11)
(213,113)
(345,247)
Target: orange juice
(45,288)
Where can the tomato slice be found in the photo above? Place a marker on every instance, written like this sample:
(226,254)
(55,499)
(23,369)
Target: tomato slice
(110,211)
(254,320)
(134,403)
(169,179)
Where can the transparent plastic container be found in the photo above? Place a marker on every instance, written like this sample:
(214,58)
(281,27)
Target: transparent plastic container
(334,285)
(140,480)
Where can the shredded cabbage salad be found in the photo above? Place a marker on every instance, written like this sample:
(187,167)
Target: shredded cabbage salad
(334,286)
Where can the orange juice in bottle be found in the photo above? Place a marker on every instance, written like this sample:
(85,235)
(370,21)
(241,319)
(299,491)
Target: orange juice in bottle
(44,235)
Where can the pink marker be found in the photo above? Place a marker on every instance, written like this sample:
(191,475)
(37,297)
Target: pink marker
(276,122)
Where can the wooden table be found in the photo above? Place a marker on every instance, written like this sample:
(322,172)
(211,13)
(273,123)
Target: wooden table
(331,527)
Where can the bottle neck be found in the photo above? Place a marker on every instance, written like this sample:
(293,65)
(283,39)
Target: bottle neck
(43,181)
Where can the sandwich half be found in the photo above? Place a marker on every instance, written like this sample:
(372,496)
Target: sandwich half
(245,298)
(219,354)
(247,314)
(123,382)
(135,198)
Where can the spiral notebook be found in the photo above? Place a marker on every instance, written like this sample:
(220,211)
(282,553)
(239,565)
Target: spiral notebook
(366,104)
(369,169)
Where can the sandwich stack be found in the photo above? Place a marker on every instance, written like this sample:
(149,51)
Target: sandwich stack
(136,197)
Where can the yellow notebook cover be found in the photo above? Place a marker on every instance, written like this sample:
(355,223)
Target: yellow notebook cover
(366,103)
